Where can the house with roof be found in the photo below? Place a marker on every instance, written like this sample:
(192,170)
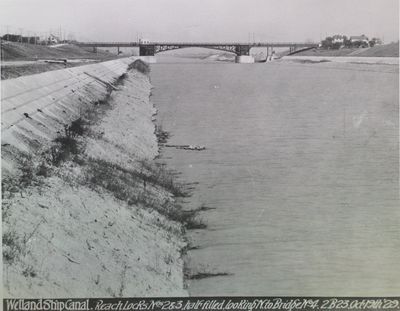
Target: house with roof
(53,39)
(360,39)
(12,37)
(377,41)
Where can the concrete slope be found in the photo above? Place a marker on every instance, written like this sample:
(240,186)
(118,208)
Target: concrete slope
(101,221)
(36,108)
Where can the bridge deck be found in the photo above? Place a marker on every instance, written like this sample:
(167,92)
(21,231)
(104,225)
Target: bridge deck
(197,44)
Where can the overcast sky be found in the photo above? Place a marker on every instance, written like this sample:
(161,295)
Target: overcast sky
(203,20)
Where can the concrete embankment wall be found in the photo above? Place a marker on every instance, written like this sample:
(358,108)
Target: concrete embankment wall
(87,225)
(34,108)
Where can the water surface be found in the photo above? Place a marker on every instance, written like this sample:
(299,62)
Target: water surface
(301,167)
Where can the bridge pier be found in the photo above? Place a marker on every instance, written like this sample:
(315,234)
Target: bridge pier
(242,50)
(243,54)
(147,50)
(148,59)
(244,59)
(292,49)
(270,53)
(95,49)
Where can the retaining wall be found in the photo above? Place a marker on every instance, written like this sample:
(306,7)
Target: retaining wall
(36,108)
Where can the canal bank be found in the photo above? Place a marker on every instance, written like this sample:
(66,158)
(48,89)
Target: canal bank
(86,211)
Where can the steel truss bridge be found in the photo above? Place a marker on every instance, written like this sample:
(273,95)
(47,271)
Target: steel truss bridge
(152,48)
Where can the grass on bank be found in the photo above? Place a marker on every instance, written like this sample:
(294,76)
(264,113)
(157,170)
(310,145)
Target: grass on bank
(162,136)
(135,187)
(139,186)
(140,66)
(66,146)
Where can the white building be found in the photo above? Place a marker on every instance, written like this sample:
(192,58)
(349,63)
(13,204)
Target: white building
(338,39)
(53,39)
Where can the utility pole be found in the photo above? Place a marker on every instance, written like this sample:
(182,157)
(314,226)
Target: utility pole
(20,33)
(8,32)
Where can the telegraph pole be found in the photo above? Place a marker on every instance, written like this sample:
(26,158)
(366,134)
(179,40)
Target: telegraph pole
(20,33)
(8,32)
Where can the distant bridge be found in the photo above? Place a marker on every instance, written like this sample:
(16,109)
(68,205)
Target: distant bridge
(240,49)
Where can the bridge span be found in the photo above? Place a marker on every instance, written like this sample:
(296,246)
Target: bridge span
(242,50)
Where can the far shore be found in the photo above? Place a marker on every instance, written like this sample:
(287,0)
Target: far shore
(384,50)
(344,59)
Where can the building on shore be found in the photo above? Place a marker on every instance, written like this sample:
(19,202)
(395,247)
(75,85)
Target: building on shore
(361,39)
(21,39)
(338,39)
(52,39)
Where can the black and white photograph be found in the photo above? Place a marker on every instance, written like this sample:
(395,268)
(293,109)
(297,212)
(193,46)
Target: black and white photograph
(178,149)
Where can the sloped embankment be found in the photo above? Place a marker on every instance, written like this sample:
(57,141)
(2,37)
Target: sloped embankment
(25,51)
(385,50)
(85,210)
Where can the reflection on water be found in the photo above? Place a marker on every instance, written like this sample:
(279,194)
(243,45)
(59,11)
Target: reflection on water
(301,167)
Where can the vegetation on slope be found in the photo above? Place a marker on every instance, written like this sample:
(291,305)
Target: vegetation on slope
(67,192)
(29,54)
(386,50)
(11,51)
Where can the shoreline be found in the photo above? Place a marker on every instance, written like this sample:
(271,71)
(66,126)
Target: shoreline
(86,209)
(345,59)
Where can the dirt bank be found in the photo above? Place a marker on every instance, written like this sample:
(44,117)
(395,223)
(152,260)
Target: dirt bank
(35,67)
(20,59)
(24,51)
(86,212)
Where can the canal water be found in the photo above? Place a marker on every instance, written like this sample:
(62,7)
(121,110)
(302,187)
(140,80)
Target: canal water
(300,169)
